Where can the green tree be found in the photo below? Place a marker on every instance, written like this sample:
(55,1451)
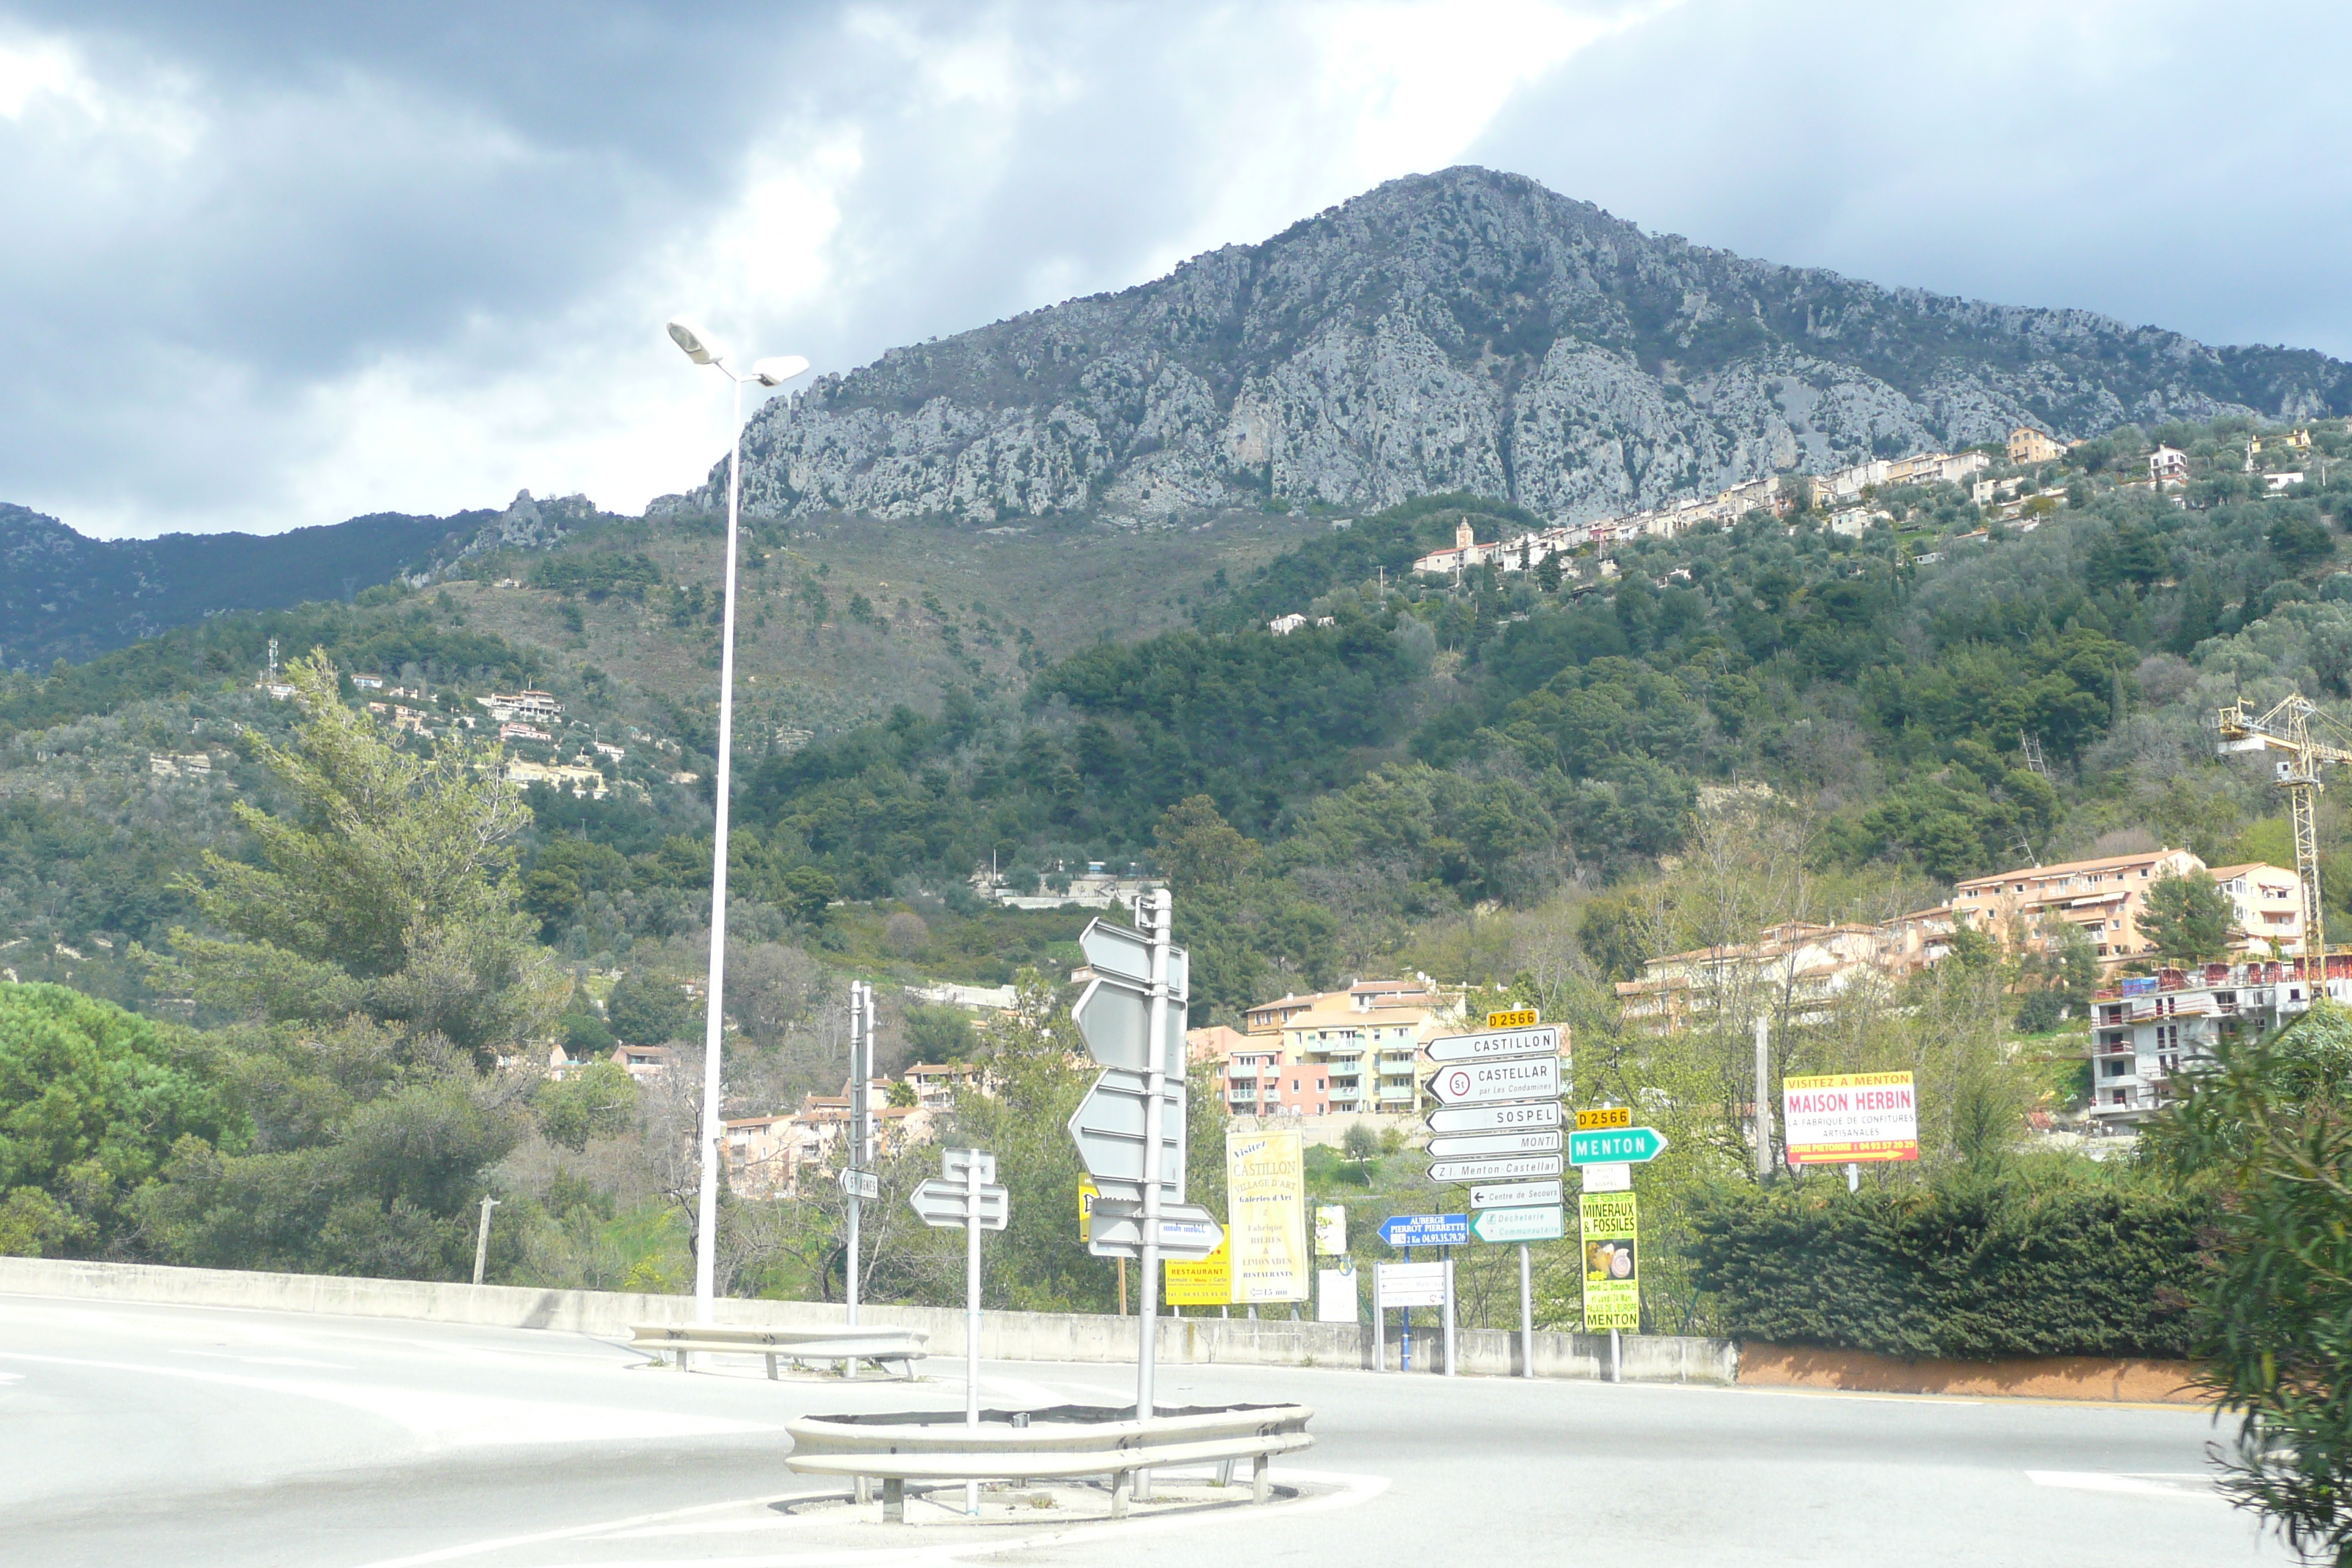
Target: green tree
(2271,1123)
(599,1101)
(1036,1083)
(91,1101)
(647,1010)
(939,1033)
(387,892)
(2187,918)
(1362,1145)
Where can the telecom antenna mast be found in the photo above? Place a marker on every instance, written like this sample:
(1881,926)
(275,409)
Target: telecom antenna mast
(2285,727)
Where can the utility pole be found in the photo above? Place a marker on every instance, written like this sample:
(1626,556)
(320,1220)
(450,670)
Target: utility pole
(482,1239)
(1763,1100)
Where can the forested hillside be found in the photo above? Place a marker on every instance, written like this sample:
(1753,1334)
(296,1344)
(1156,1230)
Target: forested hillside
(1439,746)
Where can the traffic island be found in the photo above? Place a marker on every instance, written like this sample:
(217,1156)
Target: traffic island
(1060,1444)
(1030,1502)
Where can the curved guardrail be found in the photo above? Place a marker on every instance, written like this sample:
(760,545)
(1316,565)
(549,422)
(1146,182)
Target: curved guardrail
(1064,1440)
(844,1343)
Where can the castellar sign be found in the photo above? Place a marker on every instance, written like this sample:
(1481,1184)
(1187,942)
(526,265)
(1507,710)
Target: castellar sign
(1849,1118)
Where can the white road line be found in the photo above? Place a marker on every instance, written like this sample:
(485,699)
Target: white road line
(2194,1485)
(456,1420)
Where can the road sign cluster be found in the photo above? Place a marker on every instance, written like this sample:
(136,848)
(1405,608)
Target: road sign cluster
(1498,1126)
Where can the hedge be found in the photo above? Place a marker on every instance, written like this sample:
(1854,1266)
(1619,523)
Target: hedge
(1973,1269)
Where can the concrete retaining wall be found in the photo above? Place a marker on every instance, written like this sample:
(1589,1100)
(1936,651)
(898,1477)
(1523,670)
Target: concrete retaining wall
(1005,1336)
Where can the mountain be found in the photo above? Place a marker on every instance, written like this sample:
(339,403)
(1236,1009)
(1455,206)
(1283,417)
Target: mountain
(1469,330)
(63,596)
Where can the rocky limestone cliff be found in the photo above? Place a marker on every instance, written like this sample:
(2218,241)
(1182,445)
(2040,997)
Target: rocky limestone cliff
(1467,330)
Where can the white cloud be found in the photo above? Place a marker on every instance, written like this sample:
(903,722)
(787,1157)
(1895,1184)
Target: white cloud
(319,269)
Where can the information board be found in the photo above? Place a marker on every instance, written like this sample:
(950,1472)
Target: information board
(1849,1118)
(1266,1216)
(1612,1274)
(1208,1282)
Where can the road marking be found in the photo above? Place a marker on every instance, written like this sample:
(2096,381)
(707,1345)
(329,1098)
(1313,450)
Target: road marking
(270,1360)
(2194,1485)
(456,1420)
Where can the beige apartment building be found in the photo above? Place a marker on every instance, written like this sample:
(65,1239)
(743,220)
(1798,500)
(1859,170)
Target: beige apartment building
(2028,446)
(2104,899)
(1333,1052)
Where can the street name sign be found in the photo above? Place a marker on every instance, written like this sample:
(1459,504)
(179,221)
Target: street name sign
(1504,1168)
(1109,1125)
(1518,1225)
(1489,1045)
(1515,1195)
(1512,1078)
(1617,1177)
(1494,1118)
(1541,1141)
(861,1184)
(1604,1118)
(1187,1231)
(1408,1285)
(942,1203)
(1632,1144)
(1425,1229)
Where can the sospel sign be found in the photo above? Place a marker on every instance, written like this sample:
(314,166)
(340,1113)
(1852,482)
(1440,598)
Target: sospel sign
(1849,1118)
(1612,1274)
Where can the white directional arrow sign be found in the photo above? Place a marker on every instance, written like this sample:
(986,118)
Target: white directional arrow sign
(1496,1168)
(1515,1195)
(1108,1129)
(1541,1041)
(1471,1145)
(942,1202)
(1494,1118)
(1113,1017)
(1187,1231)
(1513,1078)
(1125,954)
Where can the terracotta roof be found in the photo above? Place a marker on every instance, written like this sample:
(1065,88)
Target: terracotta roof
(2069,868)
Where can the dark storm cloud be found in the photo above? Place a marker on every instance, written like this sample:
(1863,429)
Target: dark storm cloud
(289,262)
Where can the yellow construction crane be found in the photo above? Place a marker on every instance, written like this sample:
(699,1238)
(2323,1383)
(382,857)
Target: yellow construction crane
(2286,727)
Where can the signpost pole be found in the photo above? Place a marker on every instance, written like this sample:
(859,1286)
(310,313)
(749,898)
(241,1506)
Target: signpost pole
(972,1312)
(1155,1085)
(1380,1325)
(1449,1316)
(1526,1315)
(1616,1358)
(1763,1110)
(858,1079)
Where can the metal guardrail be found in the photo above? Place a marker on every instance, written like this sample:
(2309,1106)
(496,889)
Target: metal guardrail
(844,1343)
(1061,1441)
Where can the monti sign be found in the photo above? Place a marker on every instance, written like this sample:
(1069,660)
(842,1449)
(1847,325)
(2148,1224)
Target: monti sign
(1512,1078)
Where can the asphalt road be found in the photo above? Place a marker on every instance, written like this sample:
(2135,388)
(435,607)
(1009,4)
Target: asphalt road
(192,1436)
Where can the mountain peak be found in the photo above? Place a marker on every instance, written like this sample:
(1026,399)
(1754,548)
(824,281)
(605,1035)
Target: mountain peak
(1469,330)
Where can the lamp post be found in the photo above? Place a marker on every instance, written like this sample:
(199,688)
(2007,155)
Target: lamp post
(702,349)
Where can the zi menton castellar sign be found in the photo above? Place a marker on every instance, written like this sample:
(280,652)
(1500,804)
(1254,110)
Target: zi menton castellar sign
(1849,1118)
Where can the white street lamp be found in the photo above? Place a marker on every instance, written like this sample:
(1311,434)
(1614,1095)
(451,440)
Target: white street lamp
(703,349)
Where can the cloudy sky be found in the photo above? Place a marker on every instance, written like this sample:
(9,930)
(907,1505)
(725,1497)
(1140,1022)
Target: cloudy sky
(278,263)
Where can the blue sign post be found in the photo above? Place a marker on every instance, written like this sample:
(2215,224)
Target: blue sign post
(1426,1230)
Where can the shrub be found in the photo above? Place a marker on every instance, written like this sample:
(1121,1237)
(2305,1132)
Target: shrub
(1978,1266)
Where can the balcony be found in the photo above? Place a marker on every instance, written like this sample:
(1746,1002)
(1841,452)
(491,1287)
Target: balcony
(1396,1094)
